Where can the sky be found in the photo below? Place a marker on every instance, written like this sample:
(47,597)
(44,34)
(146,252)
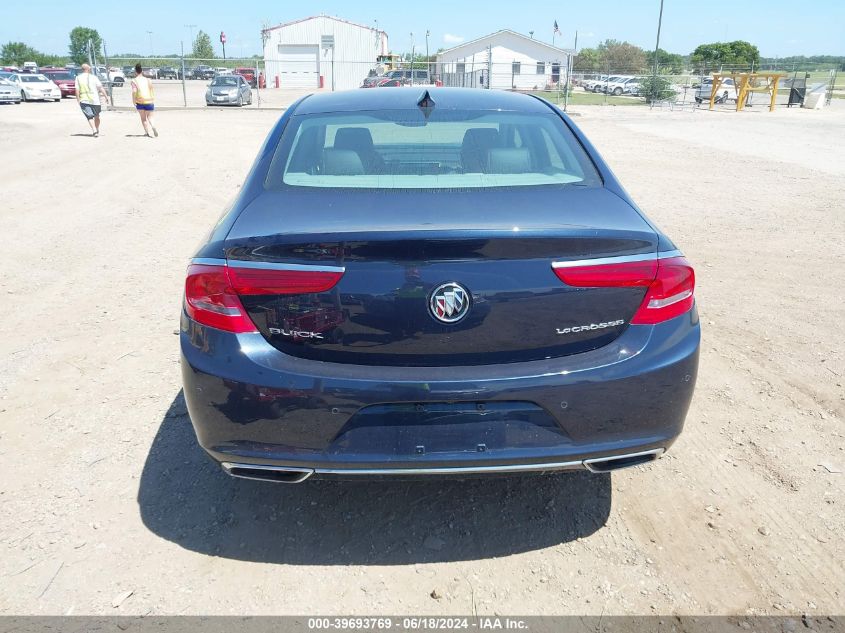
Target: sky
(156,27)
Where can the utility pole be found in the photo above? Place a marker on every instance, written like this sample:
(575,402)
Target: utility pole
(192,27)
(657,45)
(184,94)
(576,42)
(150,34)
(108,74)
(656,48)
(427,61)
(413,48)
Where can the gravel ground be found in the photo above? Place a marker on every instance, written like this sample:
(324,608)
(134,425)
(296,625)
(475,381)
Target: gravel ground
(108,506)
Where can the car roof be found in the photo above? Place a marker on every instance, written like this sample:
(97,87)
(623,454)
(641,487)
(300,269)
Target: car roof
(407,98)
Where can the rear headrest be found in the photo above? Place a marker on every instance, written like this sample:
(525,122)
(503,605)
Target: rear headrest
(342,162)
(477,140)
(356,138)
(508,161)
(480,137)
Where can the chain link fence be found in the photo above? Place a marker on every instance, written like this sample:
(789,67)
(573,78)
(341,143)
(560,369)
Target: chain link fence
(185,81)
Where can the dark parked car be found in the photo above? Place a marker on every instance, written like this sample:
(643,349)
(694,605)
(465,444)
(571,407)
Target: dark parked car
(203,72)
(446,281)
(168,72)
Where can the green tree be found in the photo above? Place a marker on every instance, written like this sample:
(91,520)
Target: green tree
(202,47)
(588,60)
(622,57)
(16,53)
(656,88)
(79,38)
(668,63)
(737,53)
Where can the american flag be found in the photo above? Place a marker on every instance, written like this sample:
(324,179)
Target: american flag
(557,30)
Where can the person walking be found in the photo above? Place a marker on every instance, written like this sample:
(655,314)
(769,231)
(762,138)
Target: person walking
(143,95)
(89,90)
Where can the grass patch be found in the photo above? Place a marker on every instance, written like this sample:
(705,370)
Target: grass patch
(580,97)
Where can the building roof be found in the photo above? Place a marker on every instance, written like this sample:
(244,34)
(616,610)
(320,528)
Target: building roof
(509,32)
(323,15)
(408,98)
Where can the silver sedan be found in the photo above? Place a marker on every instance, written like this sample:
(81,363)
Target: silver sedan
(228,90)
(8,92)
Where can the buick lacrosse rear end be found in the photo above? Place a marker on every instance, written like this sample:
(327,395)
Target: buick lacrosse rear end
(437,281)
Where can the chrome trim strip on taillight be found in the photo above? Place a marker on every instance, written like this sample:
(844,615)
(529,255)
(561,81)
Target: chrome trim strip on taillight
(621,259)
(663,303)
(243,263)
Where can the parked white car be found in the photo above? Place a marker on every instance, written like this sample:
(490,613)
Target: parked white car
(116,76)
(727,91)
(623,85)
(35,87)
(590,84)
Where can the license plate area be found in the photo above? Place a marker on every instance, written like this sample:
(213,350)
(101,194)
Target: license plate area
(420,429)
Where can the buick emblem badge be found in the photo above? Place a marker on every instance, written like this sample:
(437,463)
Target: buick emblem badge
(449,302)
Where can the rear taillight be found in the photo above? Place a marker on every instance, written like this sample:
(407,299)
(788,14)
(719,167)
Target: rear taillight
(212,291)
(670,294)
(210,300)
(670,284)
(266,281)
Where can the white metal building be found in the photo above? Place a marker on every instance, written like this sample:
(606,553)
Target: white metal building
(510,60)
(321,51)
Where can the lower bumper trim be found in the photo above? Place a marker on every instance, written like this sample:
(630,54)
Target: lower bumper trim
(296,474)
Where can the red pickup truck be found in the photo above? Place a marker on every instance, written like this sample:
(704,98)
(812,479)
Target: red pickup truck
(248,74)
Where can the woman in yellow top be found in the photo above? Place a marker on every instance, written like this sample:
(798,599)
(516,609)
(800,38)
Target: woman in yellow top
(143,95)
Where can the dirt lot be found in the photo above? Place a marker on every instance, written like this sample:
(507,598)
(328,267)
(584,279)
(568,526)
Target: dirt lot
(103,490)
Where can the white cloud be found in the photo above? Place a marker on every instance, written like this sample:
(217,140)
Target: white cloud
(448,38)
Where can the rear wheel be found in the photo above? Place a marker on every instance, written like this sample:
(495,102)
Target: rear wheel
(617,91)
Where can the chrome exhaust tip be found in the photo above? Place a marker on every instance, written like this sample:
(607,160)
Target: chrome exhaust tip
(276,474)
(617,462)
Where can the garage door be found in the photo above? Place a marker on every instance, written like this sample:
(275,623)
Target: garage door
(299,66)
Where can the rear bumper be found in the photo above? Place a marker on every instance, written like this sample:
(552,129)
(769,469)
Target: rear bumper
(252,405)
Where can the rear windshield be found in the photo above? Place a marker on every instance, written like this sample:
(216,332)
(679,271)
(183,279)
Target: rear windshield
(448,149)
(59,75)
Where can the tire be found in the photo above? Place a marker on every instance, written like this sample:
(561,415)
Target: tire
(617,91)
(240,103)
(23,96)
(698,100)
(595,89)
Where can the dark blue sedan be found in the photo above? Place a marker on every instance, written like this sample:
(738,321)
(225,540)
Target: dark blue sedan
(435,282)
